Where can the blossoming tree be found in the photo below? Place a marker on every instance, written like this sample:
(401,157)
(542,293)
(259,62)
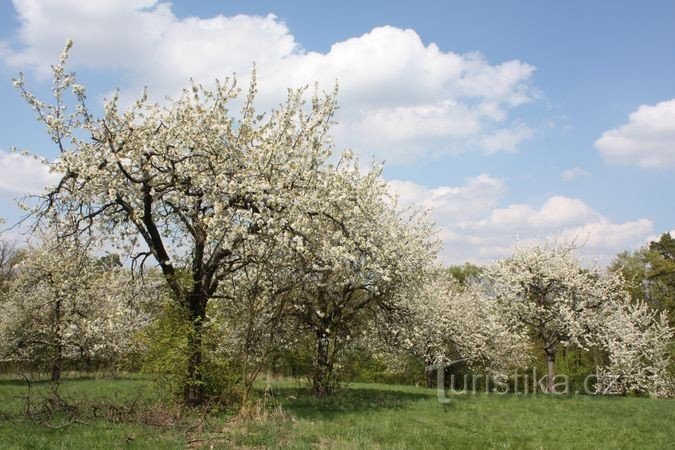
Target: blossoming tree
(546,292)
(353,256)
(193,187)
(64,305)
(638,343)
(450,322)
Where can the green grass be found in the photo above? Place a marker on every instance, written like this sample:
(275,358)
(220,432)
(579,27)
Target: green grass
(17,431)
(361,416)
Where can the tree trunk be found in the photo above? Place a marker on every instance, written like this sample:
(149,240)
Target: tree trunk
(193,392)
(430,376)
(550,370)
(57,361)
(322,382)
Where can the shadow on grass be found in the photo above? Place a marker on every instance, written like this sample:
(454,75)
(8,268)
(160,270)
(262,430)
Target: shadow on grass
(300,402)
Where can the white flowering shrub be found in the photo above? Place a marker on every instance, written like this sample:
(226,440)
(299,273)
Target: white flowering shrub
(64,307)
(638,343)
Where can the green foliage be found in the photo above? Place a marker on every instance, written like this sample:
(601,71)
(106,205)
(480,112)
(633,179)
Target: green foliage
(633,267)
(665,247)
(10,257)
(220,372)
(576,364)
(466,273)
(360,364)
(165,342)
(165,345)
(109,261)
(294,361)
(661,274)
(357,363)
(650,274)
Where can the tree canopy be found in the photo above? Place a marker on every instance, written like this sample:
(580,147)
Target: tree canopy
(204,193)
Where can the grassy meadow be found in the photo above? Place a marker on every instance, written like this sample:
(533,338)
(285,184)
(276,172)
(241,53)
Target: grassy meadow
(127,413)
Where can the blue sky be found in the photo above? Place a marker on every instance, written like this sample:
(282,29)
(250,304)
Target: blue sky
(512,120)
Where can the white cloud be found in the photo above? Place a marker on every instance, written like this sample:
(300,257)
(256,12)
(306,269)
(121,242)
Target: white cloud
(506,139)
(570,175)
(21,174)
(472,200)
(475,228)
(647,140)
(608,238)
(555,213)
(396,91)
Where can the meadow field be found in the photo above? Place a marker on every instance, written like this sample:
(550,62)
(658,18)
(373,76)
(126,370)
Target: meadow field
(90,413)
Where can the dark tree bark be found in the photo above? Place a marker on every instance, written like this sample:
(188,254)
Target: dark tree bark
(550,370)
(193,391)
(57,361)
(322,379)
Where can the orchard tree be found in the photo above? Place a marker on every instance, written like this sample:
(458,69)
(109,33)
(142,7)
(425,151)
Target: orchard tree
(62,306)
(352,257)
(545,291)
(45,304)
(451,322)
(638,343)
(184,183)
(191,186)
(122,307)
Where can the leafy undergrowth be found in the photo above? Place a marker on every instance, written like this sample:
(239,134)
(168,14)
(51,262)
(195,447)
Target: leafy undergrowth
(358,416)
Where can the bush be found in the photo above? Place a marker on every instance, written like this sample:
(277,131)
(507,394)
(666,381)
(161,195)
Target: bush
(165,356)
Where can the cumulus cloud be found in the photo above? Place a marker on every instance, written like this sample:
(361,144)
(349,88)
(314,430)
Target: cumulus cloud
(555,213)
(20,174)
(475,227)
(647,140)
(570,175)
(471,201)
(396,91)
(506,139)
